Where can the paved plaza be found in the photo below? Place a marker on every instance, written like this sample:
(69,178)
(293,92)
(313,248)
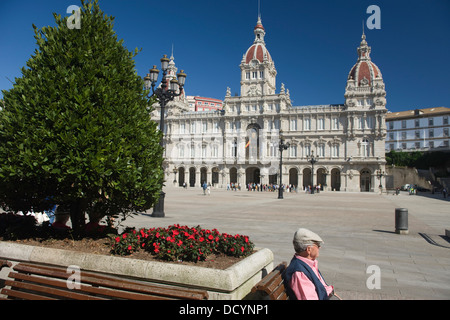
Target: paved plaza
(358,230)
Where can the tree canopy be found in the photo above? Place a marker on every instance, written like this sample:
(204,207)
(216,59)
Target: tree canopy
(75,129)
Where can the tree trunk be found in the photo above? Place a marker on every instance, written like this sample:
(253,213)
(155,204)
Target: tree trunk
(77,216)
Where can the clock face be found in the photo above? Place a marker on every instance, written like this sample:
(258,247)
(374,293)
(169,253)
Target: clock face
(253,63)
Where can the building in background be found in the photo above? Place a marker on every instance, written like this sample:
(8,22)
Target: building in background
(418,130)
(239,144)
(197,103)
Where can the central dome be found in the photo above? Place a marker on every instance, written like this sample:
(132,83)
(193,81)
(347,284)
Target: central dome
(258,50)
(364,72)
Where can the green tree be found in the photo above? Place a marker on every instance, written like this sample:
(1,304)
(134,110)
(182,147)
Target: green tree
(75,129)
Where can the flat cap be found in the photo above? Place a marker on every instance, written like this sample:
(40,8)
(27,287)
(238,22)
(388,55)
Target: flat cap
(304,235)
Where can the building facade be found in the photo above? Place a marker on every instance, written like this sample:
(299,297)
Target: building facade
(197,103)
(418,130)
(240,144)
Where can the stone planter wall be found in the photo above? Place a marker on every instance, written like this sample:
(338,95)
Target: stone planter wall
(232,283)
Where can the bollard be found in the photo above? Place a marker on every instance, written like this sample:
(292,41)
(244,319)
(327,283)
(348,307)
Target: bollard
(401,221)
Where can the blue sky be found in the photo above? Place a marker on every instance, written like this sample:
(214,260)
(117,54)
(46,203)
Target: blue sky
(313,43)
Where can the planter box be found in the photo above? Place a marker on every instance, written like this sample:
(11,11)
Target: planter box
(233,283)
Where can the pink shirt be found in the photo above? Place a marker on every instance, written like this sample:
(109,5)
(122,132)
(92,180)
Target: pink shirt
(303,288)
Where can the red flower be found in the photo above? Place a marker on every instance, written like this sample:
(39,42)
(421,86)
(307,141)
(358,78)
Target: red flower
(124,236)
(210,237)
(201,239)
(242,249)
(117,239)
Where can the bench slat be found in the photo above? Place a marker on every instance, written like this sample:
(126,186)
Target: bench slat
(48,291)
(111,287)
(55,283)
(23,295)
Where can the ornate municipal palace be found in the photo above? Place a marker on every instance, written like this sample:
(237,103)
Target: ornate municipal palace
(339,147)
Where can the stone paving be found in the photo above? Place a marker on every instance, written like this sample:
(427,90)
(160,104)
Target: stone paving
(358,230)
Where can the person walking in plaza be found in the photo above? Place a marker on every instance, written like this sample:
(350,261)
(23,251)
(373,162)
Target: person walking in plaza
(303,280)
(204,186)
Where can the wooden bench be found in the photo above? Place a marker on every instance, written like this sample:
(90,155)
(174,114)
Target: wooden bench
(271,286)
(39,282)
(4,263)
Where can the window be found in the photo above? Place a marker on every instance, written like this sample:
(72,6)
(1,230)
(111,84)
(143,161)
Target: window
(417,145)
(417,123)
(404,135)
(365,146)
(307,124)
(192,127)
(335,151)
(182,127)
(293,124)
(320,123)
(370,122)
(403,124)
(293,151)
(192,151)
(391,125)
(445,120)
(215,151)
(445,132)
(204,126)
(181,151)
(254,75)
(307,150)
(417,134)
(431,133)
(391,136)
(430,122)
(431,144)
(204,151)
(261,74)
(216,127)
(247,76)
(335,123)
(321,150)
(361,122)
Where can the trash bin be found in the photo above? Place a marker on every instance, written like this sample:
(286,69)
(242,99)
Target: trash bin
(401,221)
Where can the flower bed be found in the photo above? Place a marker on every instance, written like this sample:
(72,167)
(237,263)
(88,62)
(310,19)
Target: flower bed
(181,243)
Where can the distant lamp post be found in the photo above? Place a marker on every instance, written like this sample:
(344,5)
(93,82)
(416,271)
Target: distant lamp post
(380,175)
(165,93)
(282,146)
(311,159)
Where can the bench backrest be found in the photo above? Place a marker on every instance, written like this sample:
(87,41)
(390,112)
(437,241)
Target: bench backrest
(38,282)
(272,285)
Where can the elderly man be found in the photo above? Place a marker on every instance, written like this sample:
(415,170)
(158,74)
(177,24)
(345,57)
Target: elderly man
(303,280)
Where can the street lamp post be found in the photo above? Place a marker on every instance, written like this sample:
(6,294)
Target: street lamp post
(164,93)
(311,159)
(380,175)
(282,146)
